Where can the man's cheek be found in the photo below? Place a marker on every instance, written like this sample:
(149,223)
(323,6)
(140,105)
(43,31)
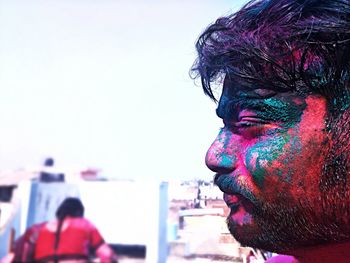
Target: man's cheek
(270,157)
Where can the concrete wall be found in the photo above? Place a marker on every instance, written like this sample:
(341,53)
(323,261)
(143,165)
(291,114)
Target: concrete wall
(16,219)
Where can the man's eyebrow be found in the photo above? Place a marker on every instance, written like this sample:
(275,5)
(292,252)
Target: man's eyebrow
(230,108)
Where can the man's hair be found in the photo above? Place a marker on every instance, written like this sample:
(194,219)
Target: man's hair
(285,45)
(72,207)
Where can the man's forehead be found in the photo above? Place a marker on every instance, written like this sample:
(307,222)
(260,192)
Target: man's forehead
(235,94)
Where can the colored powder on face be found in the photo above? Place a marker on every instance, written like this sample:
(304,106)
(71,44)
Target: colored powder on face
(287,113)
(283,111)
(342,102)
(225,161)
(265,152)
(294,150)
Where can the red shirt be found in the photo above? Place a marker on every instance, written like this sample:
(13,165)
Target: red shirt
(76,241)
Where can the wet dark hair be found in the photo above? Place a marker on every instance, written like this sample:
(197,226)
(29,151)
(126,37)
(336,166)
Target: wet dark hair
(71,207)
(285,45)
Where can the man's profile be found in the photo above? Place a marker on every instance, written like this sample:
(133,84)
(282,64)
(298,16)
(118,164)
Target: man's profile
(282,158)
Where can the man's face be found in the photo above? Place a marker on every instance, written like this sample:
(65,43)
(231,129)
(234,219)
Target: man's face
(268,159)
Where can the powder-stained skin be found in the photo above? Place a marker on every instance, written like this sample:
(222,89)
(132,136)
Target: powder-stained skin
(260,157)
(282,158)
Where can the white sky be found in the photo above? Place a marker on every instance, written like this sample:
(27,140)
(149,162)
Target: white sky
(105,84)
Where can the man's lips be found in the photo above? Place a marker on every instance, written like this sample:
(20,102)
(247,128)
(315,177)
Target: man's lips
(233,201)
(236,200)
(235,194)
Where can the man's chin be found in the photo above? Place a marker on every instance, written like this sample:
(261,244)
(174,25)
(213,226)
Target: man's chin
(280,239)
(246,234)
(251,235)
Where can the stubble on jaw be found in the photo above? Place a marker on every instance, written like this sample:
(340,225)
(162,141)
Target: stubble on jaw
(282,227)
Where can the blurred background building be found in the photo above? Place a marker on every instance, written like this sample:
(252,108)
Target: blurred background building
(104,88)
(144,221)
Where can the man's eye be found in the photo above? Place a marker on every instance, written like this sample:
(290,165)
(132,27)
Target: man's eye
(245,124)
(250,127)
(249,122)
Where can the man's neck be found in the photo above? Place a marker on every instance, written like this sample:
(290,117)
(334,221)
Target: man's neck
(339,253)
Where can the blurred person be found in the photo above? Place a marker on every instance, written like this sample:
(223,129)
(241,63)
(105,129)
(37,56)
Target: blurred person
(24,247)
(282,158)
(69,239)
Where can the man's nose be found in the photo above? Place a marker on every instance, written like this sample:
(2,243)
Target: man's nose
(222,154)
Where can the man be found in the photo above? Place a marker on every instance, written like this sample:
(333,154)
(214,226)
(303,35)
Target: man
(282,158)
